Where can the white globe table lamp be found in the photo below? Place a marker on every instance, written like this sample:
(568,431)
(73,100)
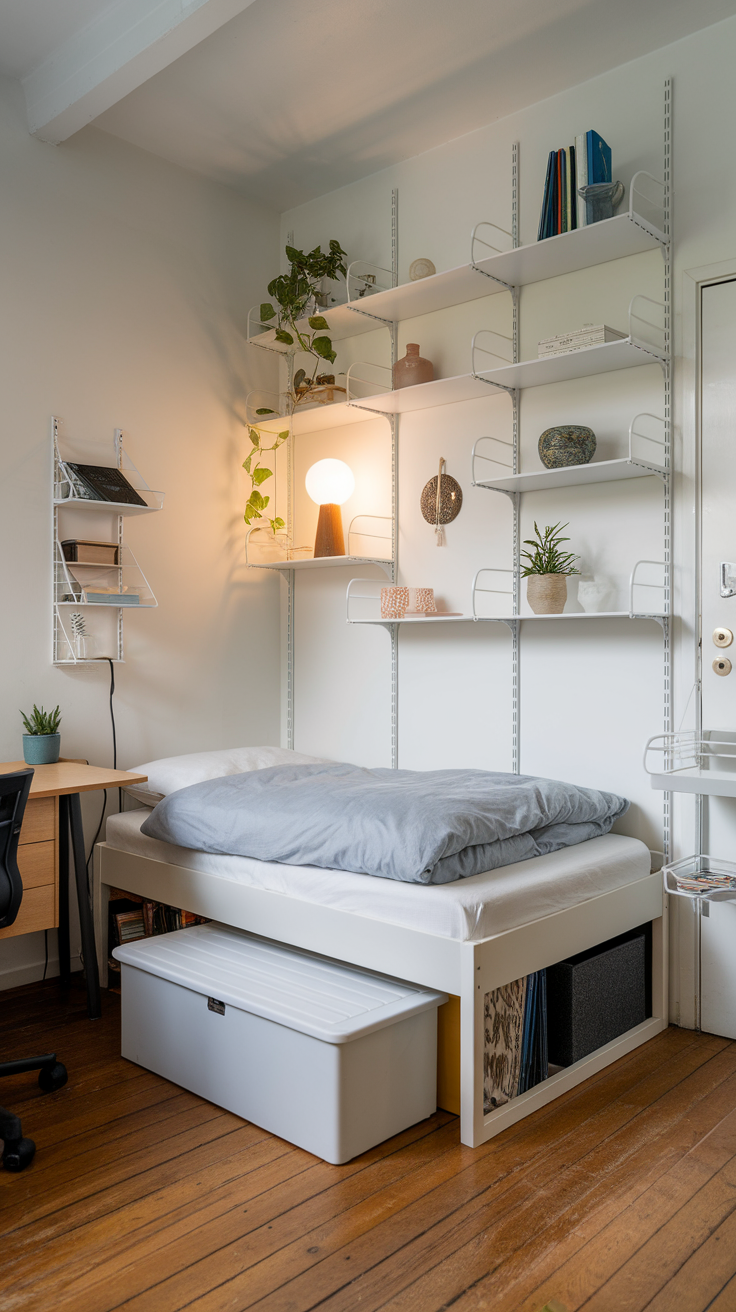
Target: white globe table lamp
(329,483)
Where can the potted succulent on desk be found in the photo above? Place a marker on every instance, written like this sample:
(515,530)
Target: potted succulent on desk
(42,739)
(546,570)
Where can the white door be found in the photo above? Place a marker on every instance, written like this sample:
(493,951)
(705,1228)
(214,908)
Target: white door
(718,512)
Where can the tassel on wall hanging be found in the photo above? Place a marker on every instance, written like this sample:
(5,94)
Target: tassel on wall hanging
(441,501)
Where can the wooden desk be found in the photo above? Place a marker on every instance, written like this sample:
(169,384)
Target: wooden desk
(52,812)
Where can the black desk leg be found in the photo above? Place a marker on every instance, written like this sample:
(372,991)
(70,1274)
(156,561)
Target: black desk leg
(86,925)
(64,961)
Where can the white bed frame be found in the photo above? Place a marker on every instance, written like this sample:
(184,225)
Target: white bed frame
(468,970)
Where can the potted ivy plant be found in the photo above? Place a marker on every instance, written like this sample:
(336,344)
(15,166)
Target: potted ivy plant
(546,568)
(41,740)
(296,293)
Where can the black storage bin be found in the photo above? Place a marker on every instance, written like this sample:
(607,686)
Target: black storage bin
(597,995)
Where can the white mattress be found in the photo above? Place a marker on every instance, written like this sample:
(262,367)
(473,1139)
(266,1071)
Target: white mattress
(472,908)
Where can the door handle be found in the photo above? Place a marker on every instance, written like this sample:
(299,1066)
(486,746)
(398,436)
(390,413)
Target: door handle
(728,578)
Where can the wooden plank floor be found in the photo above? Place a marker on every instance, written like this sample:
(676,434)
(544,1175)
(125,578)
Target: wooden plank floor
(620,1196)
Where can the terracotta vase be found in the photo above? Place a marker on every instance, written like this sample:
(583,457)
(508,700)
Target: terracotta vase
(412,368)
(546,593)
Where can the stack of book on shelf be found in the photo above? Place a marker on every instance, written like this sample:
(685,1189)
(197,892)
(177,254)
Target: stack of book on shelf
(580,340)
(132,917)
(588,161)
(515,1053)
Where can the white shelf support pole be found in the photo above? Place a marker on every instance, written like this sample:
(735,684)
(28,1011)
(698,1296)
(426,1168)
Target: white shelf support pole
(516,546)
(667,626)
(394,492)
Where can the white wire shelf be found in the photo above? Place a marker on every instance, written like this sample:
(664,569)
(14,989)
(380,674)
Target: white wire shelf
(321,417)
(321,562)
(344,321)
(611,239)
(156,502)
(701,878)
(688,762)
(264,550)
(603,471)
(606,358)
(637,464)
(363,603)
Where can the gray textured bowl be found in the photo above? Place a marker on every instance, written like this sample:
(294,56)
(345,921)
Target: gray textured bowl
(569,444)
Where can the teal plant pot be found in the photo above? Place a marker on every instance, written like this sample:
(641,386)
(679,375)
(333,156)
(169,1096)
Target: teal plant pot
(570,444)
(41,748)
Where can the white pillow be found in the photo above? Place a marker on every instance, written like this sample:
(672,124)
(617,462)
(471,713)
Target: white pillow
(174,772)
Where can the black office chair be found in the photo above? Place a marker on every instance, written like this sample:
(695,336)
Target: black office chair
(14,789)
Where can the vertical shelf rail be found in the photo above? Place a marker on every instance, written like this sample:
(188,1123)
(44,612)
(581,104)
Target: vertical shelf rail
(516,544)
(667,626)
(394,492)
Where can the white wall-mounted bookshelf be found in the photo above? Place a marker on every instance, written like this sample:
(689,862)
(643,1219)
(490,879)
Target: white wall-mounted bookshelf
(95,594)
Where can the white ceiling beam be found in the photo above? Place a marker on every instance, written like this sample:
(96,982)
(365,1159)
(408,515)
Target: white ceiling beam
(112,56)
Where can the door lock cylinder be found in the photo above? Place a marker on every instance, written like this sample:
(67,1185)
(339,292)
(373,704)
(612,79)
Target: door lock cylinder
(722,637)
(722,666)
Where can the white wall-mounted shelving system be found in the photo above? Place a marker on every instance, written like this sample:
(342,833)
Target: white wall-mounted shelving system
(645,226)
(69,514)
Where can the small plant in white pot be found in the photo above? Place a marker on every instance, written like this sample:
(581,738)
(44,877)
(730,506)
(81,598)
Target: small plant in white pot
(42,739)
(546,568)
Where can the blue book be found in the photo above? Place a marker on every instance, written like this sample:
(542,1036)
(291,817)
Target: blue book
(599,158)
(546,200)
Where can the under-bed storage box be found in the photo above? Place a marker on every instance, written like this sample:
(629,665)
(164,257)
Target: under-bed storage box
(332,1058)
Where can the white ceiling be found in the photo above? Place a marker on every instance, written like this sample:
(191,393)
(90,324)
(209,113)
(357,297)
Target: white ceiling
(292,98)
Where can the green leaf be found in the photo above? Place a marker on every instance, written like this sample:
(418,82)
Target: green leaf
(293,255)
(283,336)
(246,463)
(322,346)
(299,377)
(254,436)
(283,436)
(263,410)
(317,321)
(277,523)
(267,311)
(260,476)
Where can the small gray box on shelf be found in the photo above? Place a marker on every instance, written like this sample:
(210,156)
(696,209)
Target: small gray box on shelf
(597,995)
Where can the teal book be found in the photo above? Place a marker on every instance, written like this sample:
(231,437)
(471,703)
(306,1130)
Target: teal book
(599,158)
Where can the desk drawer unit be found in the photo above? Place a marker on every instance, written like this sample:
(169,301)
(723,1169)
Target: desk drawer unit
(38,864)
(332,1058)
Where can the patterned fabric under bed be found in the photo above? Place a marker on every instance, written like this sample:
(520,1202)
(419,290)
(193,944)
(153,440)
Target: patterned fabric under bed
(473,908)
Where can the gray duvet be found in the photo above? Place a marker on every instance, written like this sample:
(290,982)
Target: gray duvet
(422,827)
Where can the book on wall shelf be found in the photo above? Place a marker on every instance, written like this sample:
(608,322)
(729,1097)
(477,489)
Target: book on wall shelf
(587,161)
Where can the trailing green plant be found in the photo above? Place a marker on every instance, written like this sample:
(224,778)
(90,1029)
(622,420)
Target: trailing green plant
(42,722)
(293,293)
(258,473)
(545,556)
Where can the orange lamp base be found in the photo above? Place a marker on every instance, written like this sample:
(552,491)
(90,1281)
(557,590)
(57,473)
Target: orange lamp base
(329,540)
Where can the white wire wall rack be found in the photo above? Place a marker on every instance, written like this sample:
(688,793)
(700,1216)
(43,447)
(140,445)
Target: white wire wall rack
(639,463)
(701,878)
(264,550)
(693,762)
(362,603)
(89,598)
(644,345)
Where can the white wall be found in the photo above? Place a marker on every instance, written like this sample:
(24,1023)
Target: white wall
(591,693)
(126,285)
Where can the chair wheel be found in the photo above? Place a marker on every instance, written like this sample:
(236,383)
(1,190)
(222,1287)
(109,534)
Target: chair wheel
(51,1078)
(18,1154)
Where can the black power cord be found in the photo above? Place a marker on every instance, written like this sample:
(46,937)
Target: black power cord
(114,766)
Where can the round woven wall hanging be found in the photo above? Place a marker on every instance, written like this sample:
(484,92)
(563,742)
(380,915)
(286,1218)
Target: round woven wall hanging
(451,500)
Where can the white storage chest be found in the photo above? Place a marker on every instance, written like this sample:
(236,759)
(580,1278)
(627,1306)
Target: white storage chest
(333,1058)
